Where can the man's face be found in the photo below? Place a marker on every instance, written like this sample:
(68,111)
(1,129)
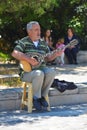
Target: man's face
(35,32)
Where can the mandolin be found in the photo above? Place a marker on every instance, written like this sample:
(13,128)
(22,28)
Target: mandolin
(40,57)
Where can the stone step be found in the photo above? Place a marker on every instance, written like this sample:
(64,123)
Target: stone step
(10,99)
(82,56)
(13,68)
(10,80)
(76,96)
(8,69)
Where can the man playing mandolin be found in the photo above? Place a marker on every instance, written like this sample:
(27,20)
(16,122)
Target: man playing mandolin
(28,51)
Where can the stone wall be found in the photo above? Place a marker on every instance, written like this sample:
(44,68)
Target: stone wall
(82,57)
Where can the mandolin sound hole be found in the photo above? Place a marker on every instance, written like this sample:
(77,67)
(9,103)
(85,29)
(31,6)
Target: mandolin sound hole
(36,57)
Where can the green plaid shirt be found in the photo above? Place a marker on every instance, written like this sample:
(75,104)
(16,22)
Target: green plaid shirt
(25,45)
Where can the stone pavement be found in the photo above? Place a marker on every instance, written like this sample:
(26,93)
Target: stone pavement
(72,117)
(74,73)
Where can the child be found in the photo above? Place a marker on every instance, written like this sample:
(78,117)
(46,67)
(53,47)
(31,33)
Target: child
(60,45)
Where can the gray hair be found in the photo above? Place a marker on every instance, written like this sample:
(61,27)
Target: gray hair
(30,24)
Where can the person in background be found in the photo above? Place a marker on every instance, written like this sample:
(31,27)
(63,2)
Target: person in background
(71,52)
(40,75)
(60,46)
(48,39)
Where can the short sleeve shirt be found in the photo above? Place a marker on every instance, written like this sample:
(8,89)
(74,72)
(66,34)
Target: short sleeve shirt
(25,45)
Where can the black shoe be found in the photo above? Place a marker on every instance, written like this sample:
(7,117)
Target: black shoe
(43,102)
(37,104)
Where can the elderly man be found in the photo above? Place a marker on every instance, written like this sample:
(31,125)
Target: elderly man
(29,49)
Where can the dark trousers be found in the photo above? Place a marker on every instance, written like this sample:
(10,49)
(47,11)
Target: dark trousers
(71,55)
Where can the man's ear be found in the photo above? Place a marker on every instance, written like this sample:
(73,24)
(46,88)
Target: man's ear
(29,32)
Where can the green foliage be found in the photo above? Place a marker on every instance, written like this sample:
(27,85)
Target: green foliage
(75,23)
(4,57)
(54,14)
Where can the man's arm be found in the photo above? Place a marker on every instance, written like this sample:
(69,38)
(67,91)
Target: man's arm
(21,56)
(54,55)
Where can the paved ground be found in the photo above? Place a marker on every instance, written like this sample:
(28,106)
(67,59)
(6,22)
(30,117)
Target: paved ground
(62,117)
(73,117)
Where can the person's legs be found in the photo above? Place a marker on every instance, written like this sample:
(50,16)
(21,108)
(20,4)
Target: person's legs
(62,58)
(48,80)
(41,82)
(74,54)
(58,60)
(69,55)
(37,78)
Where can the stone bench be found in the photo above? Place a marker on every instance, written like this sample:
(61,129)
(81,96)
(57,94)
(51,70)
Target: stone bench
(10,99)
(82,57)
(76,96)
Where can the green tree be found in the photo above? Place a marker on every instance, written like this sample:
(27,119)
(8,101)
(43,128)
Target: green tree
(14,14)
(54,14)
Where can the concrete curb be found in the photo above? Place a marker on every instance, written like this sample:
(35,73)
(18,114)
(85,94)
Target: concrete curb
(10,99)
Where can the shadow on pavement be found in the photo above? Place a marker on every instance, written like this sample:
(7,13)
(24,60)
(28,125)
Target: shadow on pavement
(10,118)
